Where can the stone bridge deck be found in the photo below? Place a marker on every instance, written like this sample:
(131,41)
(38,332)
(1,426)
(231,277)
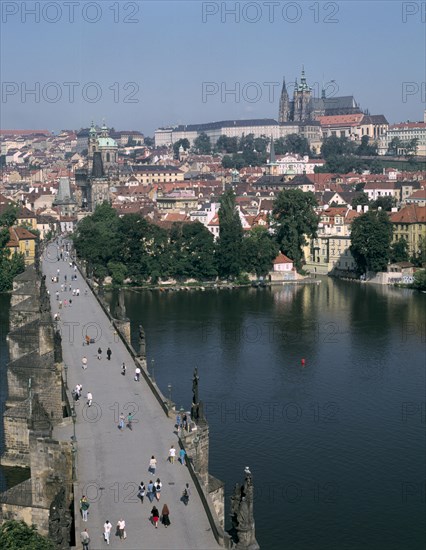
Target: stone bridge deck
(111,463)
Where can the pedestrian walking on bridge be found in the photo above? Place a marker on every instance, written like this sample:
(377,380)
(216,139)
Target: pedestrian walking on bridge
(172,454)
(121,526)
(141,492)
(155,516)
(107,530)
(84,362)
(186,494)
(150,491)
(165,513)
(152,464)
(85,539)
(109,352)
(157,487)
(84,507)
(99,353)
(121,421)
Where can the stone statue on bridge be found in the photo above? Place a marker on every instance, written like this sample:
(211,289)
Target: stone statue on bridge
(120,311)
(142,342)
(242,517)
(197,408)
(195,380)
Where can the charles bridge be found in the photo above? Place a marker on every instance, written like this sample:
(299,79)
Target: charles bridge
(72,449)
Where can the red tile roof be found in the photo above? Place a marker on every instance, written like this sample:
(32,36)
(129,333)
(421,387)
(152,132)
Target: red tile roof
(17,234)
(282,259)
(409,214)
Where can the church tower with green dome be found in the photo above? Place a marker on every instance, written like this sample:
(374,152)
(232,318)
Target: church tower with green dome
(108,148)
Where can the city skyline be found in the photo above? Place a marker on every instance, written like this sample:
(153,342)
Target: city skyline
(145,65)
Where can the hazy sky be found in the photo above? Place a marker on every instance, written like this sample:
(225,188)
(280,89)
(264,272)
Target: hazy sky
(141,65)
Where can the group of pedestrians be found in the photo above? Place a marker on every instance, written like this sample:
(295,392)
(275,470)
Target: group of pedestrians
(129,423)
(172,455)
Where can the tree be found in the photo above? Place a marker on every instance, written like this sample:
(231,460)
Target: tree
(419,256)
(412,146)
(371,237)
(385,203)
(293,143)
(376,166)
(176,146)
(230,237)
(202,144)
(336,146)
(227,162)
(420,279)
(9,215)
(295,219)
(226,144)
(118,272)
(399,251)
(192,252)
(149,141)
(364,149)
(97,239)
(10,264)
(394,146)
(10,267)
(258,251)
(361,199)
(16,535)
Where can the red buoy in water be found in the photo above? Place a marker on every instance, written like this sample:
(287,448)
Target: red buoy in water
(303,362)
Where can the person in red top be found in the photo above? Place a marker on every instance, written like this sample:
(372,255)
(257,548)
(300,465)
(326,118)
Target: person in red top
(155,516)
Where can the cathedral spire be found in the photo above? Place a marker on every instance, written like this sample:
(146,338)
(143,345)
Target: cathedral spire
(303,85)
(284,107)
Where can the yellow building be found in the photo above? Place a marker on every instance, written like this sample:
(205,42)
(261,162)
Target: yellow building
(26,217)
(22,240)
(410,223)
(149,175)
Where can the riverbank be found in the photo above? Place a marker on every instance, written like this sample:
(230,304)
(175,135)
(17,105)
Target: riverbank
(223,285)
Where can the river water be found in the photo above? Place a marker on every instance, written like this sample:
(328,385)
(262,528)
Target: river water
(336,447)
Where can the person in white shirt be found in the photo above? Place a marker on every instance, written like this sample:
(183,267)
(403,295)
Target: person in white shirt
(107,530)
(89,399)
(137,374)
(157,487)
(121,525)
(152,464)
(172,454)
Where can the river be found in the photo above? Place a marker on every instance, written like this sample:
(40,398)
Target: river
(336,447)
